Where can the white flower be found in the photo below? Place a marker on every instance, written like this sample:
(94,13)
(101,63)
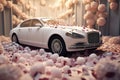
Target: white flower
(10,72)
(41,51)
(49,62)
(3,59)
(80,60)
(33,53)
(37,68)
(107,70)
(56,73)
(54,57)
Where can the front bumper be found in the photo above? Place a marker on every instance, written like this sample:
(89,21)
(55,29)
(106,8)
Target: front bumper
(83,46)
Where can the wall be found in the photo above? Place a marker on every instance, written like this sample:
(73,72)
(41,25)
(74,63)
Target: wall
(5,22)
(114,23)
(51,11)
(1,23)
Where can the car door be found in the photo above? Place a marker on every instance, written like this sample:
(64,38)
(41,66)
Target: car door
(36,33)
(23,31)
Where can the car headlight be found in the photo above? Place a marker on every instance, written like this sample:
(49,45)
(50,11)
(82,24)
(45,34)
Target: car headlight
(74,35)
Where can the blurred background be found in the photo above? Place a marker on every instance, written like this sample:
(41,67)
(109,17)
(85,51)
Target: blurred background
(73,12)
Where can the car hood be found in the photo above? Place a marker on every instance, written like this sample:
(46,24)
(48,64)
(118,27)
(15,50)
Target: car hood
(76,29)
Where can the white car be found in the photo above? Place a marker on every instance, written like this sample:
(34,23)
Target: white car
(52,34)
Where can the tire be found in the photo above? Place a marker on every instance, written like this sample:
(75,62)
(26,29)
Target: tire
(15,38)
(57,45)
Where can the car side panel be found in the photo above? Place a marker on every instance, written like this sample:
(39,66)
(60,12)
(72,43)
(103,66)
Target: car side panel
(36,36)
(23,35)
(48,32)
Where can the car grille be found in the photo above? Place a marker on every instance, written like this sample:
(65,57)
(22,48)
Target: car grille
(93,37)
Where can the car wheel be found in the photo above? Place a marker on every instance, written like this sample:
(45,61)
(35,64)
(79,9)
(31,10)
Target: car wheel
(57,45)
(15,38)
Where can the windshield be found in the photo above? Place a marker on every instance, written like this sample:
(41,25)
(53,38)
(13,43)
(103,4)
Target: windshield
(53,22)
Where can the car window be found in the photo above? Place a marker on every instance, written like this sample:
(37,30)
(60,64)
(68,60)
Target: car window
(53,22)
(26,23)
(36,23)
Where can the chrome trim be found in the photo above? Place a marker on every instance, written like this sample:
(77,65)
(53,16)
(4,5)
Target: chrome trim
(85,46)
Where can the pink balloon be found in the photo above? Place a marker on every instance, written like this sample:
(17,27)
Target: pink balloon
(101,21)
(113,5)
(87,7)
(88,15)
(90,22)
(1,7)
(94,5)
(101,7)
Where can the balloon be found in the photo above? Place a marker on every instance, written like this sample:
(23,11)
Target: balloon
(101,7)
(69,4)
(4,2)
(89,26)
(75,1)
(94,5)
(90,22)
(101,21)
(9,4)
(86,1)
(1,7)
(87,7)
(113,5)
(102,14)
(42,2)
(88,15)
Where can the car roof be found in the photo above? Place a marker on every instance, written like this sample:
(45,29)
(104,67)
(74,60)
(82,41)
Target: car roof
(41,18)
